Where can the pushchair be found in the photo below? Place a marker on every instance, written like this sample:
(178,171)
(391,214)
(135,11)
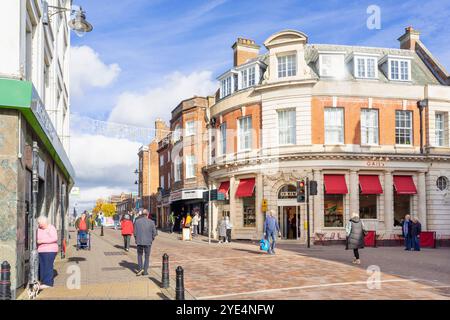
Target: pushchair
(83,240)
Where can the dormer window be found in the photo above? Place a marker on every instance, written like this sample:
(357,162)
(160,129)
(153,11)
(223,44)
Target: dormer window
(365,67)
(248,77)
(331,65)
(399,69)
(225,87)
(287,66)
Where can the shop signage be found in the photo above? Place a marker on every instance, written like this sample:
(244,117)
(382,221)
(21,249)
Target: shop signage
(375,163)
(288,192)
(186,195)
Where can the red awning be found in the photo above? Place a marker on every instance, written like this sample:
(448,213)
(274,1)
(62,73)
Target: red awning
(335,184)
(245,188)
(370,184)
(224,187)
(404,185)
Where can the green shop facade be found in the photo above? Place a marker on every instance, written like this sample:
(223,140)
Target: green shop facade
(24,123)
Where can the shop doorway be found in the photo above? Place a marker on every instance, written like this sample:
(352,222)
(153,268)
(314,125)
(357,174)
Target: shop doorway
(289,221)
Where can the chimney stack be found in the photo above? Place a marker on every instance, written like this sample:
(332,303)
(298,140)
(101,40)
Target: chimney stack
(408,40)
(161,129)
(244,50)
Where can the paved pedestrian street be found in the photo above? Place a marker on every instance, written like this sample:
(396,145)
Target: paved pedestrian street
(238,270)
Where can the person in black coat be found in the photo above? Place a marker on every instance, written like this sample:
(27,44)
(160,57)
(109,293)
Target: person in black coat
(416,229)
(406,232)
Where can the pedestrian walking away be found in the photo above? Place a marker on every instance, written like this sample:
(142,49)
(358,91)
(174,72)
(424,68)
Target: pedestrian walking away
(271,229)
(116,219)
(229,227)
(195,223)
(144,234)
(127,230)
(222,230)
(47,241)
(355,232)
(171,221)
(406,232)
(416,229)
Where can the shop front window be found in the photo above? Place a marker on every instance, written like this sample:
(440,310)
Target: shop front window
(368,206)
(249,212)
(334,210)
(402,207)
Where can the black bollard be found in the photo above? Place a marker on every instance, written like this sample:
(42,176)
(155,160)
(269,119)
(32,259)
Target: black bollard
(165,271)
(179,290)
(101,232)
(5,281)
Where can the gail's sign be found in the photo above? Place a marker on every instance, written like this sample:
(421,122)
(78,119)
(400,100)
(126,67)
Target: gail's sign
(375,163)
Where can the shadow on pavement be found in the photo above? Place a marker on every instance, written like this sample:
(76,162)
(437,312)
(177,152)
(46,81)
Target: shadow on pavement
(76,259)
(156,281)
(250,251)
(129,265)
(121,247)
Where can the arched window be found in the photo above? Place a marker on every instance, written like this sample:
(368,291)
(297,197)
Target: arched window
(442,183)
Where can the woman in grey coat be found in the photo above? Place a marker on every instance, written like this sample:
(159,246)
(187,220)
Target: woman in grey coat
(222,228)
(355,236)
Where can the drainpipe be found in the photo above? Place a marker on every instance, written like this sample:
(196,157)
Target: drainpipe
(421,104)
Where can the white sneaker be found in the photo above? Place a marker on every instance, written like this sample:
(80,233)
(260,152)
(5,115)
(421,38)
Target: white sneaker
(44,286)
(358,261)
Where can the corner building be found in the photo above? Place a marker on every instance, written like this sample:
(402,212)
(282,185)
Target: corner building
(345,116)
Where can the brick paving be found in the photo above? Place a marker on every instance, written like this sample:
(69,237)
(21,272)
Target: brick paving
(237,270)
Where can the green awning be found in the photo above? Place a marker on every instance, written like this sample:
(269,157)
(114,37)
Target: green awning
(21,95)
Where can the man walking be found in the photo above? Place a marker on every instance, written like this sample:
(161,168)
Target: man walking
(270,228)
(171,221)
(116,219)
(144,234)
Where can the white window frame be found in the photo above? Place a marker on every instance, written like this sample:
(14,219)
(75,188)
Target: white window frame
(338,68)
(161,160)
(190,128)
(177,170)
(248,77)
(245,134)
(287,126)
(190,166)
(287,65)
(367,128)
(161,181)
(177,133)
(404,128)
(226,86)
(333,129)
(400,76)
(365,59)
(223,138)
(439,129)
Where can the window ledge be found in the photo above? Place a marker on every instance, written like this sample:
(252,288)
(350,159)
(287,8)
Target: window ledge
(404,146)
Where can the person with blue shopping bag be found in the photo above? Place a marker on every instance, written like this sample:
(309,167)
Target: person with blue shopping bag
(271,230)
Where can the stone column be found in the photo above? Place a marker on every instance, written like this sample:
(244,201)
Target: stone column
(388,191)
(259,194)
(316,212)
(233,201)
(422,200)
(354,192)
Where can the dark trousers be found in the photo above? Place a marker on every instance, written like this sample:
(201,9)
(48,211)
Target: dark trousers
(126,241)
(143,251)
(356,253)
(46,260)
(408,242)
(416,243)
(229,235)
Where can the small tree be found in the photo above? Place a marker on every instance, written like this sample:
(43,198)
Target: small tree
(108,209)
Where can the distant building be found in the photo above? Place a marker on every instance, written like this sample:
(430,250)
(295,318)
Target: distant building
(148,172)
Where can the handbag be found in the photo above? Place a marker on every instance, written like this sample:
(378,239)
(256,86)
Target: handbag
(264,245)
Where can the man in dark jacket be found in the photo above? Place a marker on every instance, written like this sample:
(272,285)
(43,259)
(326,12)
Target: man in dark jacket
(406,231)
(271,229)
(416,229)
(144,234)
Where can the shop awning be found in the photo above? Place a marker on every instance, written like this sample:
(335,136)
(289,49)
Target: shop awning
(245,188)
(404,185)
(224,187)
(370,184)
(335,184)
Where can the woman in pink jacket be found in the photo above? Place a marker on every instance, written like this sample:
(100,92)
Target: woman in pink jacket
(47,241)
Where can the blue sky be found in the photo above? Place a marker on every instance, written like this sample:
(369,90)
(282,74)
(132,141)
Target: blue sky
(144,56)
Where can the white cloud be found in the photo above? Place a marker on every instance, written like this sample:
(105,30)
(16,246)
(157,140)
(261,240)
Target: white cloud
(142,108)
(88,70)
(103,165)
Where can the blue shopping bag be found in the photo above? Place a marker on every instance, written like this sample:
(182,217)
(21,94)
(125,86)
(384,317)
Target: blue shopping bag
(264,245)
